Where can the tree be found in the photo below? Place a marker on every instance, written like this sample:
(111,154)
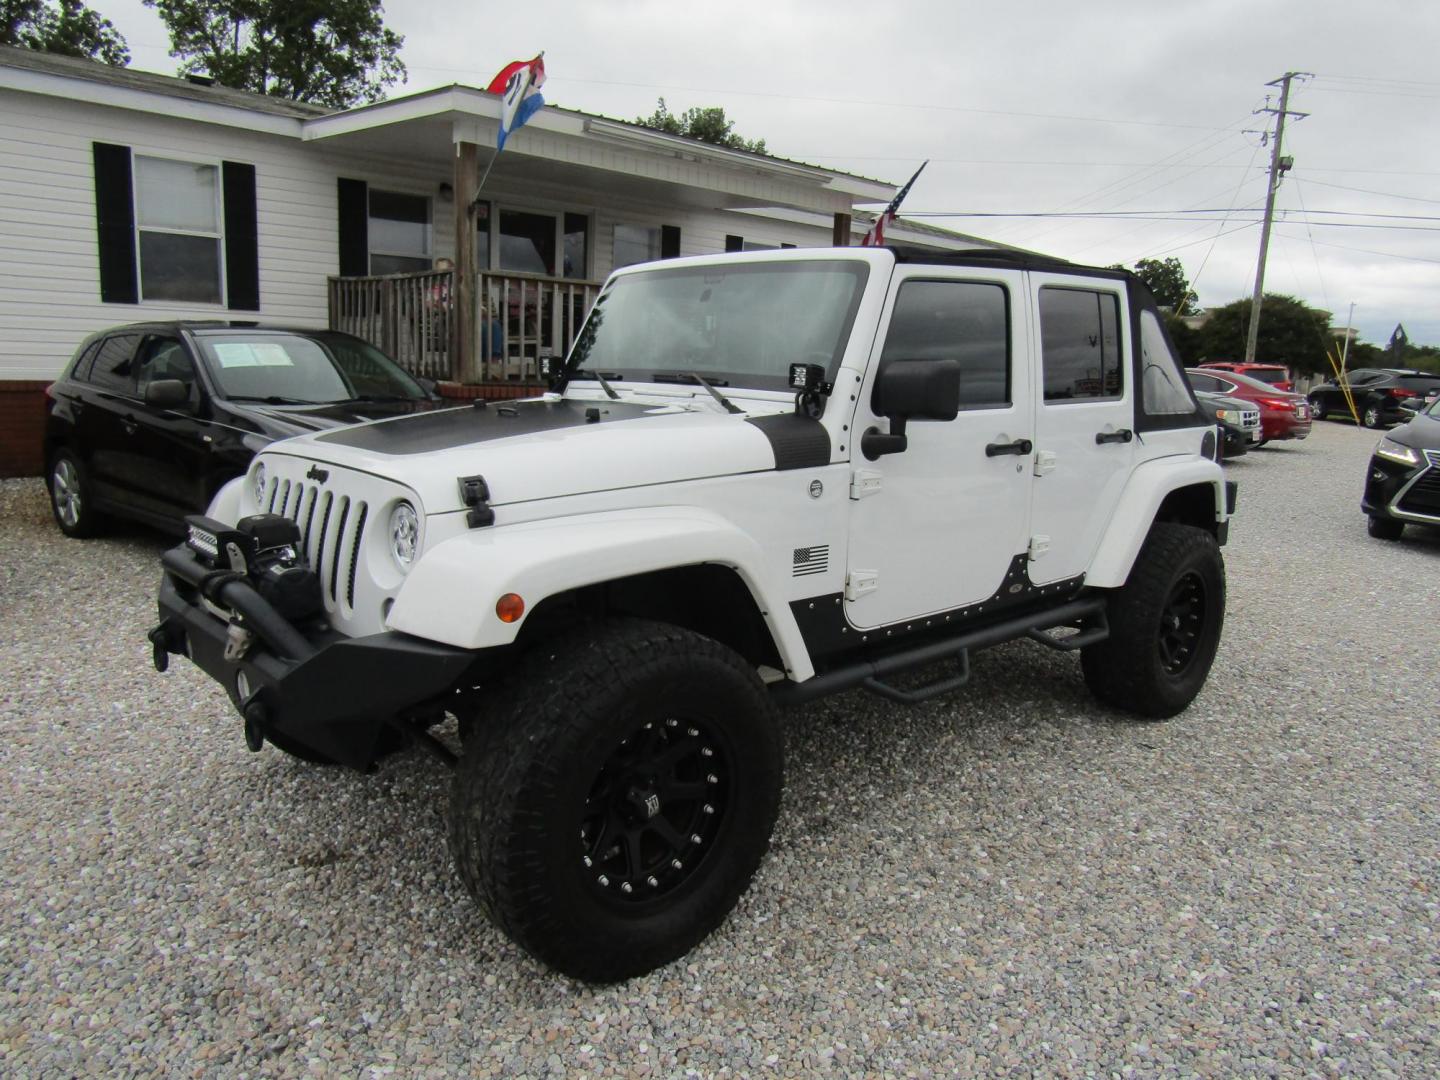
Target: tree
(707,125)
(328,52)
(68,28)
(1167,280)
(1291,333)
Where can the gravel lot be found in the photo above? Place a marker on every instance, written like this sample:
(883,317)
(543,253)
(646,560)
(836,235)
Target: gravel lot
(1011,881)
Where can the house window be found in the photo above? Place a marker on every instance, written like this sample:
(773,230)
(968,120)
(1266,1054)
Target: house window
(177,211)
(577,246)
(527,242)
(400,234)
(636,244)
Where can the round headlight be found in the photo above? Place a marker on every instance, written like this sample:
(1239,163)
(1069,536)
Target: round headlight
(404,534)
(259,481)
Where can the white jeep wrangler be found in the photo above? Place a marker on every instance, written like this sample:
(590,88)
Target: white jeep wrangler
(758,479)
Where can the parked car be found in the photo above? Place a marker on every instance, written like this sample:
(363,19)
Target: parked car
(1238,420)
(148,421)
(1276,375)
(1283,415)
(1402,485)
(1378,394)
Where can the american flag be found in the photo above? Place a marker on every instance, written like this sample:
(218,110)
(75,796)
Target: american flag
(811,560)
(876,236)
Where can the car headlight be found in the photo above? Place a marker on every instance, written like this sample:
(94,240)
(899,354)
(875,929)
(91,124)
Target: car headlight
(404,535)
(1391,450)
(258,479)
(1226,414)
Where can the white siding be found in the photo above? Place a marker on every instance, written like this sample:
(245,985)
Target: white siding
(49,266)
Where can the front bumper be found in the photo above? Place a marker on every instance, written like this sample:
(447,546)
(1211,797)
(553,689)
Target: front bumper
(322,692)
(1404,492)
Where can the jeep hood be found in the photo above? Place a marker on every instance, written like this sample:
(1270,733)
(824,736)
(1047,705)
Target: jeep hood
(553,447)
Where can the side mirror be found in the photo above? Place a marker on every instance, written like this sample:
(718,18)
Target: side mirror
(430,386)
(911,390)
(167,393)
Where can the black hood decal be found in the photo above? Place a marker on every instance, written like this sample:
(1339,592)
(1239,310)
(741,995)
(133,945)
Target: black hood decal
(798,442)
(450,428)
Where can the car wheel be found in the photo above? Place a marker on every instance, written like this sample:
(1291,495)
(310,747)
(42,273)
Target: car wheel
(70,499)
(610,813)
(1385,528)
(1317,409)
(1164,625)
(1372,417)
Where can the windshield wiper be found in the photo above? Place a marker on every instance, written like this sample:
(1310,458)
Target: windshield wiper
(586,373)
(372,398)
(272,399)
(700,380)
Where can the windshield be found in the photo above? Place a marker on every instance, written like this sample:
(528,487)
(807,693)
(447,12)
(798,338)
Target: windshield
(306,370)
(737,324)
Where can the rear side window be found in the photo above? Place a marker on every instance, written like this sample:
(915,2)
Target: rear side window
(956,320)
(1162,383)
(1080,344)
(1420,382)
(113,368)
(1207,384)
(80,369)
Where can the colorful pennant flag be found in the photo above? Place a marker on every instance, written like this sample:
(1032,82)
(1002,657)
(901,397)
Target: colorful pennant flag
(518,83)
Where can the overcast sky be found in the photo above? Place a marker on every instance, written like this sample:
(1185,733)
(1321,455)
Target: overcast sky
(1043,107)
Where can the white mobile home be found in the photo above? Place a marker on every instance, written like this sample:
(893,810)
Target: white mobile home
(126,196)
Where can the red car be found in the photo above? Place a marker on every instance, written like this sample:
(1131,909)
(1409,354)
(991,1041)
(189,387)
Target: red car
(1283,415)
(1276,375)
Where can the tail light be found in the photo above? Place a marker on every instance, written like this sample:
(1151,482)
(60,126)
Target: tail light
(1399,392)
(1276,403)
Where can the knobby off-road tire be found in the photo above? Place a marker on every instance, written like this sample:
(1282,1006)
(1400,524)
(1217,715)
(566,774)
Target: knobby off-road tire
(1164,625)
(70,497)
(609,813)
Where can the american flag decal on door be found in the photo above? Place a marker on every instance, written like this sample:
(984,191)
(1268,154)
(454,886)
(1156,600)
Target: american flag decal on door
(811,560)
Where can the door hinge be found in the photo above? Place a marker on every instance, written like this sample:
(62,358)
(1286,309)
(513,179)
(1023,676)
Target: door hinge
(860,582)
(1039,545)
(865,482)
(1044,462)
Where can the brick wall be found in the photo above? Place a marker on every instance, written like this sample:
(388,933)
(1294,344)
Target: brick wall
(22,427)
(489,391)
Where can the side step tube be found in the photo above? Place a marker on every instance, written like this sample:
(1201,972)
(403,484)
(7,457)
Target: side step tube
(871,673)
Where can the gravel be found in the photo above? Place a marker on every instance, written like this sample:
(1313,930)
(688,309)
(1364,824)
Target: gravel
(1008,881)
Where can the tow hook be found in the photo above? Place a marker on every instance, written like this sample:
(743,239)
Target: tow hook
(255,718)
(161,645)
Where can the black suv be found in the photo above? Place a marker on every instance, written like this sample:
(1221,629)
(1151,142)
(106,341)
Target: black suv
(148,421)
(1379,395)
(1402,484)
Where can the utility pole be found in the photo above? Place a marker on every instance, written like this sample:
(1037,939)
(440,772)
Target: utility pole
(1279,166)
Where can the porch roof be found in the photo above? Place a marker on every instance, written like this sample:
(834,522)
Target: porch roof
(584,150)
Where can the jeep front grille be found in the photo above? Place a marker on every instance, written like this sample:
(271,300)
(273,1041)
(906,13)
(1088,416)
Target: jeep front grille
(332,527)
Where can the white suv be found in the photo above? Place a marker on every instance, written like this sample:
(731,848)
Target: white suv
(758,479)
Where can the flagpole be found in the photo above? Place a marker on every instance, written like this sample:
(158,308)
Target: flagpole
(476,197)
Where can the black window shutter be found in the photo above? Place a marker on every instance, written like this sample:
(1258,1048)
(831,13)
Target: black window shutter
(115,224)
(242,238)
(669,241)
(734,243)
(354,196)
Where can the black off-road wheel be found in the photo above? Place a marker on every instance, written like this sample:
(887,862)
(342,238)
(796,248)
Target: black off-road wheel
(1385,528)
(1164,625)
(70,499)
(610,812)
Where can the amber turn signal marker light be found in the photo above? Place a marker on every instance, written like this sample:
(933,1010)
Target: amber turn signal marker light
(510,607)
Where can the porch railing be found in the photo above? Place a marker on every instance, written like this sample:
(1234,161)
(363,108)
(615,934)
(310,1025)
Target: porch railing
(520,318)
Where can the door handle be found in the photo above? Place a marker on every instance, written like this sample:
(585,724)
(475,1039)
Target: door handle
(1019,446)
(1124,435)
(129,425)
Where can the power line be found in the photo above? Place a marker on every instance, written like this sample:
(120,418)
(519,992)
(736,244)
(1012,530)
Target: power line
(1367,191)
(1372,251)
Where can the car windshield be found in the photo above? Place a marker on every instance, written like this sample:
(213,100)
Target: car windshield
(740,324)
(302,369)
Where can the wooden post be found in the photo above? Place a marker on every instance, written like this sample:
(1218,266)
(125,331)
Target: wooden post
(464,291)
(842,230)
